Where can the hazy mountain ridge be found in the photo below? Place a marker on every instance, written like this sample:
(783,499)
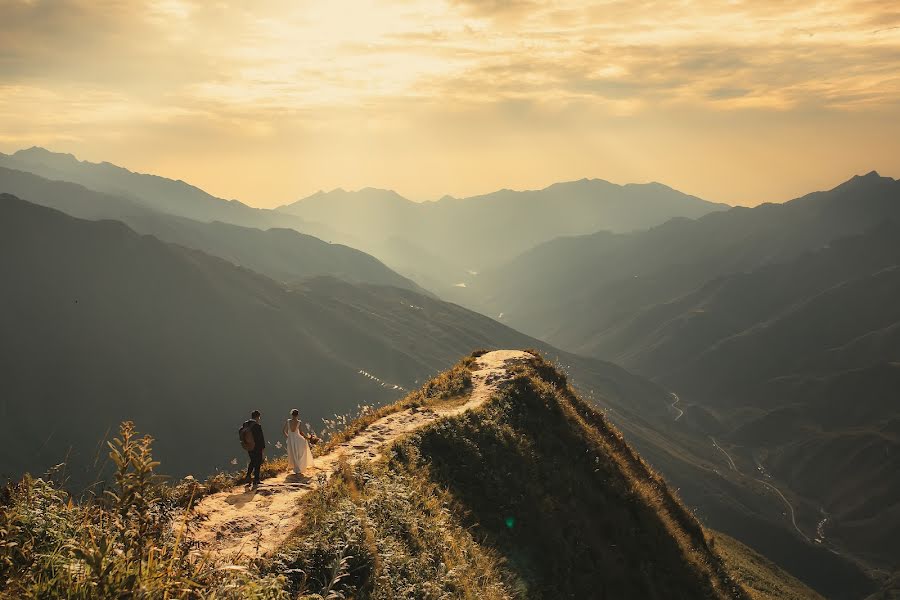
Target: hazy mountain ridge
(482,231)
(462,236)
(170,196)
(615,277)
(283,254)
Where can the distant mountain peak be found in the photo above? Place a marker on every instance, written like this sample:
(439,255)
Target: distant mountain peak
(872,178)
(39,152)
(380,192)
(339,194)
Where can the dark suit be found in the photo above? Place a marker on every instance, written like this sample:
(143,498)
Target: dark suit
(256,455)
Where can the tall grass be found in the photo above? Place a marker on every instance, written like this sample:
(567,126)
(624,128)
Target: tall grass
(127,543)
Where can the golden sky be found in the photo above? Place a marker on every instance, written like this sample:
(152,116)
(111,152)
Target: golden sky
(270,100)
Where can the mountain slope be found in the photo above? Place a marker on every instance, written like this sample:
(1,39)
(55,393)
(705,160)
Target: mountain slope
(531,494)
(472,234)
(282,254)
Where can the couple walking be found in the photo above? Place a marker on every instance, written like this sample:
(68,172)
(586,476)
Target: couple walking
(252,439)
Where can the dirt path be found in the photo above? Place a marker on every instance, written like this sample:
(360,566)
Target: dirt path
(239,524)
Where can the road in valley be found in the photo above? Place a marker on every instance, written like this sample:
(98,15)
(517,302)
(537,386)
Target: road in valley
(787,503)
(674,406)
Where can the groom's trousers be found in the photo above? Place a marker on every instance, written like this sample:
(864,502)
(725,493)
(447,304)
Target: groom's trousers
(256,458)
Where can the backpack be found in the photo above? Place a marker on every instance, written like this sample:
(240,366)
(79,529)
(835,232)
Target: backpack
(245,433)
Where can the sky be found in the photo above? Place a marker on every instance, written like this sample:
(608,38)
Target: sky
(268,101)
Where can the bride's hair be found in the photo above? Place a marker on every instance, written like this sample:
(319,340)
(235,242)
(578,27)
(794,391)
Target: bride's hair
(295,413)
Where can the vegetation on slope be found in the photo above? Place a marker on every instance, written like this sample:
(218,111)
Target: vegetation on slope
(534,495)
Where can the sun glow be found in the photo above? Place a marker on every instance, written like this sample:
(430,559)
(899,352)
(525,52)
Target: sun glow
(430,97)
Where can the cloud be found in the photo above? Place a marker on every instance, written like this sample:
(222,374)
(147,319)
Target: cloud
(369,79)
(291,55)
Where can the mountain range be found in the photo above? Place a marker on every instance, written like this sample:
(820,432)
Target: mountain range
(282,254)
(445,243)
(169,196)
(763,341)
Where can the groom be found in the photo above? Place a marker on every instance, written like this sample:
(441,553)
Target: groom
(259,447)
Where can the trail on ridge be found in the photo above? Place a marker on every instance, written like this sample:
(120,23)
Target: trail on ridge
(239,524)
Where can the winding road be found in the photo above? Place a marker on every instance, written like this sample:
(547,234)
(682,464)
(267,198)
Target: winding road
(674,405)
(787,503)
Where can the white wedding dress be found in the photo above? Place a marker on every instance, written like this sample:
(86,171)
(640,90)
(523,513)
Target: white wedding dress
(299,455)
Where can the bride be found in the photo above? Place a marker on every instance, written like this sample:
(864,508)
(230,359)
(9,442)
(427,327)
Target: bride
(299,455)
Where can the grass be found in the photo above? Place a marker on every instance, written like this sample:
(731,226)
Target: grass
(376,533)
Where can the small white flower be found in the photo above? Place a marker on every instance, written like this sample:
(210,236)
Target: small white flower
(234,461)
